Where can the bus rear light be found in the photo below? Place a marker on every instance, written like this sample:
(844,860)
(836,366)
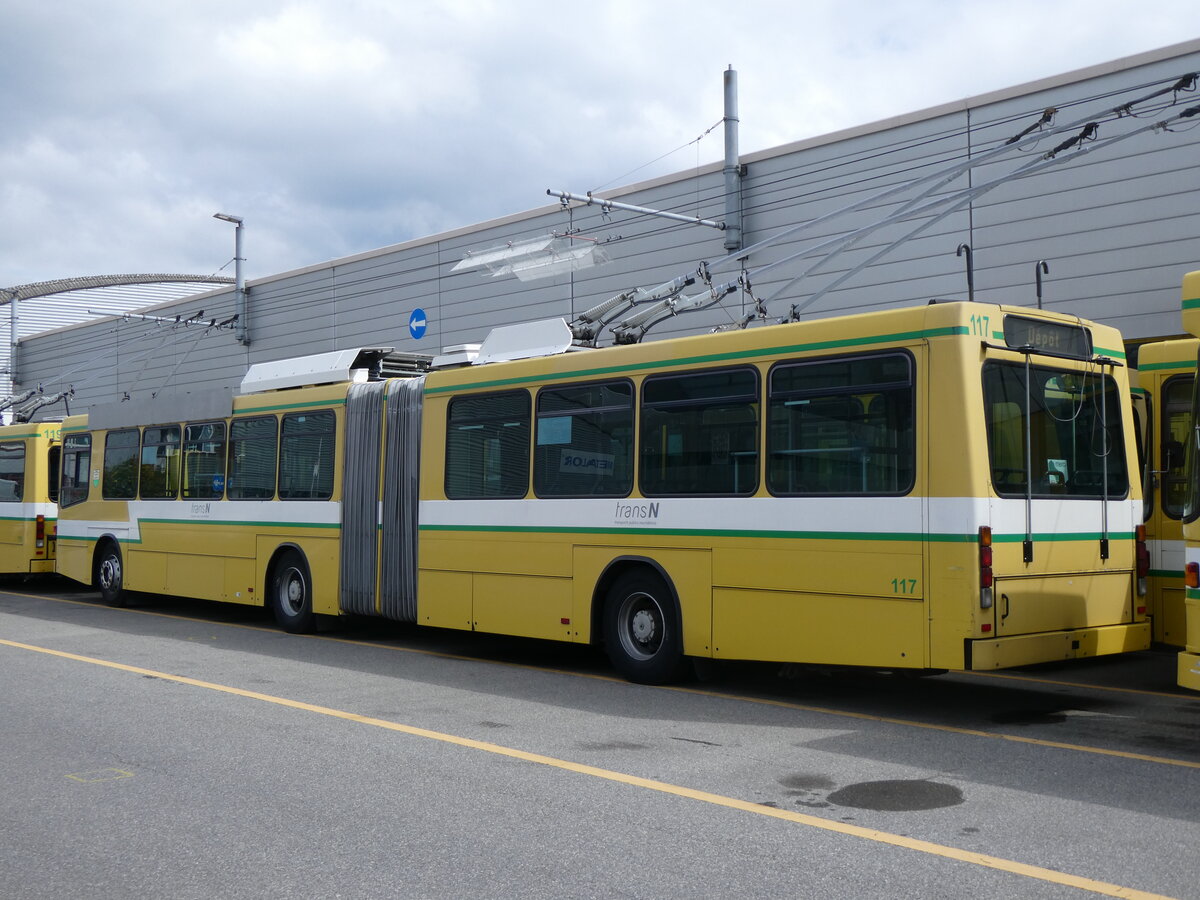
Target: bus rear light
(1191,575)
(1143,553)
(40,532)
(986,579)
(985,627)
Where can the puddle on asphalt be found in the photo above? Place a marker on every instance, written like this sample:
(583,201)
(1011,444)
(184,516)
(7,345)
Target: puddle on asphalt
(897,796)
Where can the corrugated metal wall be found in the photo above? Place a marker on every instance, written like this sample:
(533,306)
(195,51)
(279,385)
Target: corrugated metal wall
(1118,227)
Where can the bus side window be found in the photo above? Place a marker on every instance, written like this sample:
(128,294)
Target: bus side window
(53,459)
(842,426)
(76,468)
(204,461)
(487,446)
(12,471)
(584,442)
(252,446)
(306,456)
(160,463)
(700,433)
(120,465)
(1176,428)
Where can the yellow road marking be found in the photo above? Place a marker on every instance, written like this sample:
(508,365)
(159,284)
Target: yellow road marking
(783,704)
(870,834)
(100,775)
(1076,684)
(953,729)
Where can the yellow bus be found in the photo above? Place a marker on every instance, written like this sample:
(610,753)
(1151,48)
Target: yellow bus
(29,458)
(946,487)
(1166,375)
(1189,657)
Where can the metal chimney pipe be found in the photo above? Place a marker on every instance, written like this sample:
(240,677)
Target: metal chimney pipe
(733,172)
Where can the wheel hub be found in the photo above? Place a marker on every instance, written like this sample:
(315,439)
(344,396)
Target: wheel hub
(643,627)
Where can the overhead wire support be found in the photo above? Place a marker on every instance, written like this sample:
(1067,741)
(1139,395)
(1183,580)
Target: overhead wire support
(606,205)
(179,320)
(944,176)
(958,201)
(635,327)
(1184,85)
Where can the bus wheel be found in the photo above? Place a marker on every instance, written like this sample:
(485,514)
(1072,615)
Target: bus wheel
(110,575)
(641,629)
(291,594)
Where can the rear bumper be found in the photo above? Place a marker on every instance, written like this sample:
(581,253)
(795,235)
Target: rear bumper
(1189,671)
(1026,649)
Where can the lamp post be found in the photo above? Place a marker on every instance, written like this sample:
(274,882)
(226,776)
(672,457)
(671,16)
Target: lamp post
(241,330)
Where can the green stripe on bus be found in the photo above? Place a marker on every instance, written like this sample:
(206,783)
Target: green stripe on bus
(313,404)
(1064,536)
(1181,364)
(1166,573)
(235,523)
(931,537)
(710,358)
(1191,303)
(190,522)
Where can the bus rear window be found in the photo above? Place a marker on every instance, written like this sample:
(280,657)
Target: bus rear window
(1077,447)
(12,471)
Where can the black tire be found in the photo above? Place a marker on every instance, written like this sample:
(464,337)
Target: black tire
(641,629)
(291,594)
(110,575)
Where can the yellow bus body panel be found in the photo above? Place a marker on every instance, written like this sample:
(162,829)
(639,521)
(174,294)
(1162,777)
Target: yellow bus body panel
(444,599)
(19,550)
(1027,649)
(1025,605)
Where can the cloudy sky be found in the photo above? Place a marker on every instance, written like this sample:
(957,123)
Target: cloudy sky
(339,126)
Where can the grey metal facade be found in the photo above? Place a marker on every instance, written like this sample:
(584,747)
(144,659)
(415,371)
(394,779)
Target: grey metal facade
(1117,226)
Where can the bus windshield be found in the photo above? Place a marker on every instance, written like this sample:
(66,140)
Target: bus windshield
(1069,420)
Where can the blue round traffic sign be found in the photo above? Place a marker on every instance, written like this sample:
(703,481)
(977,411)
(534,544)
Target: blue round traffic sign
(417,323)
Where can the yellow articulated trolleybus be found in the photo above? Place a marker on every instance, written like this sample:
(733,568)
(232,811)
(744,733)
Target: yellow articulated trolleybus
(1189,657)
(29,458)
(945,487)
